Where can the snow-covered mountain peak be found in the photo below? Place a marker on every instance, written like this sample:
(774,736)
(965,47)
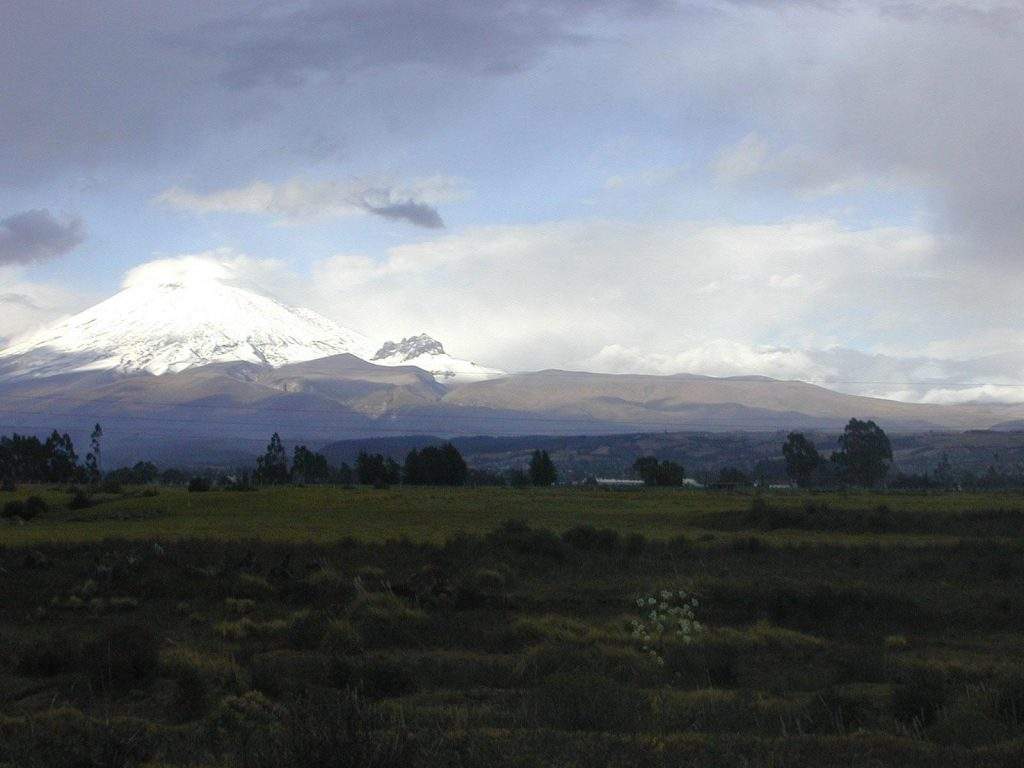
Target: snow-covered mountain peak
(178,314)
(409,348)
(427,353)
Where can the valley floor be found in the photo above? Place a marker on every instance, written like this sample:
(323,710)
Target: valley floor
(416,627)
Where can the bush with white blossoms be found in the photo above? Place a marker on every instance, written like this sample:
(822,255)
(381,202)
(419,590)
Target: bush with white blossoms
(665,616)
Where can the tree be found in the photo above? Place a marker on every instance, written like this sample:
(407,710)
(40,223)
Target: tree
(542,469)
(25,458)
(944,473)
(373,469)
(434,465)
(93,459)
(732,476)
(864,454)
(62,460)
(309,466)
(142,473)
(654,472)
(272,466)
(343,475)
(802,459)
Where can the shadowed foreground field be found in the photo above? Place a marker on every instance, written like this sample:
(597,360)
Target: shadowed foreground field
(248,629)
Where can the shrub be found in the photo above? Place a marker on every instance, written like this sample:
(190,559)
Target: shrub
(625,665)
(382,677)
(372,578)
(711,662)
(240,605)
(7,485)
(667,614)
(278,672)
(245,629)
(35,506)
(587,702)
(853,610)
(1009,698)
(384,621)
(219,670)
(14,509)
(54,654)
(970,721)
(324,585)
(191,700)
(485,587)
(198,485)
(533,629)
(635,544)
(66,737)
(306,630)
(110,486)
(122,656)
(916,701)
(325,730)
(590,539)
(751,545)
(880,519)
(80,499)
(251,586)
(517,536)
(341,638)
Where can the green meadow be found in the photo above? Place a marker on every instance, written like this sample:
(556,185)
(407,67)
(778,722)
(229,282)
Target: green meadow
(329,513)
(503,628)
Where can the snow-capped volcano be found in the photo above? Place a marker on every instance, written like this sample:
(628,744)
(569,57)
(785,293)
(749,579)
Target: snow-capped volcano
(428,353)
(178,314)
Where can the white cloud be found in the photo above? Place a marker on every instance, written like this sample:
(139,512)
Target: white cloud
(647,178)
(718,357)
(742,160)
(623,298)
(548,294)
(26,304)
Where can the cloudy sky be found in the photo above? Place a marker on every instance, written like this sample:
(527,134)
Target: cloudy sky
(830,190)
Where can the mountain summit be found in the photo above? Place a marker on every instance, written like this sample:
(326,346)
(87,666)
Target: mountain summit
(174,315)
(179,314)
(428,353)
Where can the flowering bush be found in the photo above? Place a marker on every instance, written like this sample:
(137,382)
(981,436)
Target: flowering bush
(664,616)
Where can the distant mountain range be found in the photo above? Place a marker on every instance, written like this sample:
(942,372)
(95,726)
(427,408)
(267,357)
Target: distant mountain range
(187,367)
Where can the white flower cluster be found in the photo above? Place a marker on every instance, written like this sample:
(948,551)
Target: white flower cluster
(662,616)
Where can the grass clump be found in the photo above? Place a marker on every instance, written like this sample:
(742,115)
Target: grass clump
(248,629)
(586,701)
(252,586)
(122,656)
(341,638)
(385,621)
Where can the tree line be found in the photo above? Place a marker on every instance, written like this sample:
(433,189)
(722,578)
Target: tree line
(863,458)
(26,458)
(430,465)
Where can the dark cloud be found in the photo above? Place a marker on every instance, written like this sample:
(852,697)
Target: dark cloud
(128,84)
(36,235)
(494,37)
(420,214)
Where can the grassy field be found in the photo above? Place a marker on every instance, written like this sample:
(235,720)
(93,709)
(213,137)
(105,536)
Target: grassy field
(321,627)
(330,514)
